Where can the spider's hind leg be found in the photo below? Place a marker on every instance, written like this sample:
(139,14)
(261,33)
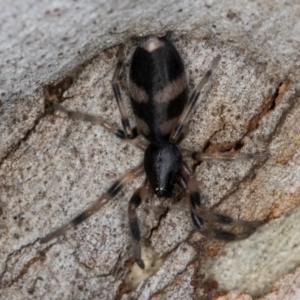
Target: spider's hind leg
(198,156)
(128,131)
(72,114)
(184,117)
(97,120)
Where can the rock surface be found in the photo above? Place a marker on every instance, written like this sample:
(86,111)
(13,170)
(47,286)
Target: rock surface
(53,167)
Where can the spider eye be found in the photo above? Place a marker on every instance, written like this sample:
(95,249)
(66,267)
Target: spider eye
(159,191)
(162,192)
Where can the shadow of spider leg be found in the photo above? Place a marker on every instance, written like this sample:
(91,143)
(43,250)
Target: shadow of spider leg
(201,217)
(141,194)
(114,189)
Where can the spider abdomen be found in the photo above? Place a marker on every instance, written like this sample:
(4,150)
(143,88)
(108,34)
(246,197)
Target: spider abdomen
(158,88)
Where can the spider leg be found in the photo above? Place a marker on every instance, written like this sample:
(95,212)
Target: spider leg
(183,134)
(129,133)
(199,216)
(99,121)
(175,134)
(114,189)
(198,156)
(141,194)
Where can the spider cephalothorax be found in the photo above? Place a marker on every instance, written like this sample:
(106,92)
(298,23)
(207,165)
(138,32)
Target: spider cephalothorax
(163,164)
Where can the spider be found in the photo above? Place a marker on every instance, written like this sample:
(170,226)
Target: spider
(159,98)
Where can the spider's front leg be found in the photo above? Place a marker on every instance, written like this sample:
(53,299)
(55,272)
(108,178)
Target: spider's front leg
(114,189)
(200,217)
(141,194)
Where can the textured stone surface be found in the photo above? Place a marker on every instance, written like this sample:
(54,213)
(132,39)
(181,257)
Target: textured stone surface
(52,167)
(288,287)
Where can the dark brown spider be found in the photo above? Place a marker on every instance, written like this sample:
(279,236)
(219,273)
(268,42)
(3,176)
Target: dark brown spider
(159,98)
